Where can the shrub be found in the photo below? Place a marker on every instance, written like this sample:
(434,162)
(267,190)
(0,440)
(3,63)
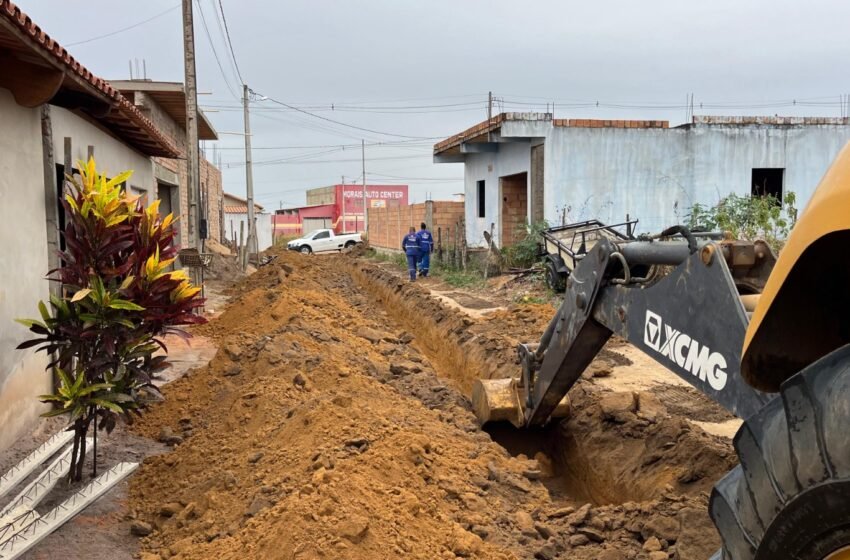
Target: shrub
(526,252)
(121,298)
(748,217)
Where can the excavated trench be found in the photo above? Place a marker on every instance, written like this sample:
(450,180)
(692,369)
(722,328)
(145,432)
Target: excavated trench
(601,454)
(337,415)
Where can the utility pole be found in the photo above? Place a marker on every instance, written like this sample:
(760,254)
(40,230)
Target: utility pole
(489,106)
(365,215)
(343,229)
(489,113)
(249,177)
(192,156)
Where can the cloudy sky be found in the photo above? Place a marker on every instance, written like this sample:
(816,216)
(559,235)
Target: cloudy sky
(400,74)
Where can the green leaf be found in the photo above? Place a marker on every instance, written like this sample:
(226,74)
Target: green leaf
(125,305)
(78,383)
(66,381)
(103,403)
(28,323)
(43,310)
(127,282)
(93,388)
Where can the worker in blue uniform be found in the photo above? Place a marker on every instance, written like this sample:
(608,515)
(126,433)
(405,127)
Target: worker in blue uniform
(426,247)
(410,246)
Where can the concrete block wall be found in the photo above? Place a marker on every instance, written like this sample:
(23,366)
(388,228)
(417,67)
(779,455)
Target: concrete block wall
(387,226)
(210,177)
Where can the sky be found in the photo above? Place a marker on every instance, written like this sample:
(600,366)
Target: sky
(402,74)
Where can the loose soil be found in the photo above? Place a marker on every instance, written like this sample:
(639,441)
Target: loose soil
(333,422)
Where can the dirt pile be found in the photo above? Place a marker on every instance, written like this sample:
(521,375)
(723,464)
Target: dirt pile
(294,448)
(333,423)
(223,267)
(615,447)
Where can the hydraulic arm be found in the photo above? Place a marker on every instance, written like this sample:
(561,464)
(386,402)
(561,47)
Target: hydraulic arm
(682,299)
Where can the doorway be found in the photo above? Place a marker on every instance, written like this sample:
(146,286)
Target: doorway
(514,192)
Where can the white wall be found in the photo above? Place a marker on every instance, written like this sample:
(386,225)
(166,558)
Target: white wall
(656,175)
(510,159)
(652,174)
(23,265)
(112,155)
(264,228)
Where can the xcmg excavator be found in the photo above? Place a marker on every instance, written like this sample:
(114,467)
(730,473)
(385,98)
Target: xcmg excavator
(766,338)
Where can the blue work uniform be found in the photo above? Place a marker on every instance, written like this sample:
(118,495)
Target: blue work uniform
(410,245)
(426,246)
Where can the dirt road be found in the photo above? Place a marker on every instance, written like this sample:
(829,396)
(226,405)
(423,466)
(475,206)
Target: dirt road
(333,423)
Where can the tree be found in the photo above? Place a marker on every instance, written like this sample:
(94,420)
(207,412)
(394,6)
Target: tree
(119,300)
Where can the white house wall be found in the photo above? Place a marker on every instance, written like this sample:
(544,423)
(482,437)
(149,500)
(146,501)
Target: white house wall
(656,175)
(23,265)
(264,228)
(512,158)
(112,155)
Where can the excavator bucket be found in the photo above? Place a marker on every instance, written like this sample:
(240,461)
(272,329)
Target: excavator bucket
(802,314)
(500,400)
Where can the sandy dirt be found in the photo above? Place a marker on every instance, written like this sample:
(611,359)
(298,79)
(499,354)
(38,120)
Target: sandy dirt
(334,423)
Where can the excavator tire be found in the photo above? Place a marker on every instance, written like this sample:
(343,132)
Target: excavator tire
(790,495)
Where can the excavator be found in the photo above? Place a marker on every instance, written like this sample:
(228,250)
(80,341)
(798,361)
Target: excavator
(767,338)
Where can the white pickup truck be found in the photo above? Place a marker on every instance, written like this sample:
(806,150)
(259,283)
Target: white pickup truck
(324,240)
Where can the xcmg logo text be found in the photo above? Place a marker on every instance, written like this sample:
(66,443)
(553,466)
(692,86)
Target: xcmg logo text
(685,351)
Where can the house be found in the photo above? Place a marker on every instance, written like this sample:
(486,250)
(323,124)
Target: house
(54,112)
(339,207)
(527,167)
(164,103)
(235,212)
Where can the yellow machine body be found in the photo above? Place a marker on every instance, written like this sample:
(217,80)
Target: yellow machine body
(804,311)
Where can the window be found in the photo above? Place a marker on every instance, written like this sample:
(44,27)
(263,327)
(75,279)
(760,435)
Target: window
(768,181)
(482,193)
(322,235)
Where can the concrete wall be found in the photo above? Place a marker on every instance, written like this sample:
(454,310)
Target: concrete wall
(112,155)
(23,265)
(321,195)
(653,174)
(510,159)
(264,227)
(656,175)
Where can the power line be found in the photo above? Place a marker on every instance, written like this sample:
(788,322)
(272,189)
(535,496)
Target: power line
(215,54)
(229,43)
(306,160)
(400,177)
(223,36)
(387,144)
(372,131)
(129,27)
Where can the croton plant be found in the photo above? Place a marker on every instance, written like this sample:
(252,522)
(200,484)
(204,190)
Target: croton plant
(120,297)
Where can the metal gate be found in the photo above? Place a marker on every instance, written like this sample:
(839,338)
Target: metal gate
(310,225)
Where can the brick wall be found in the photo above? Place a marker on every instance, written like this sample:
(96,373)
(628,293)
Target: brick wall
(387,226)
(210,180)
(514,207)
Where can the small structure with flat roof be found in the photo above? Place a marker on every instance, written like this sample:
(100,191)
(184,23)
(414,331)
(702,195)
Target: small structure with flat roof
(527,167)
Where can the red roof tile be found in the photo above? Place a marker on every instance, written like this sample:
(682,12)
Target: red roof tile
(123,112)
